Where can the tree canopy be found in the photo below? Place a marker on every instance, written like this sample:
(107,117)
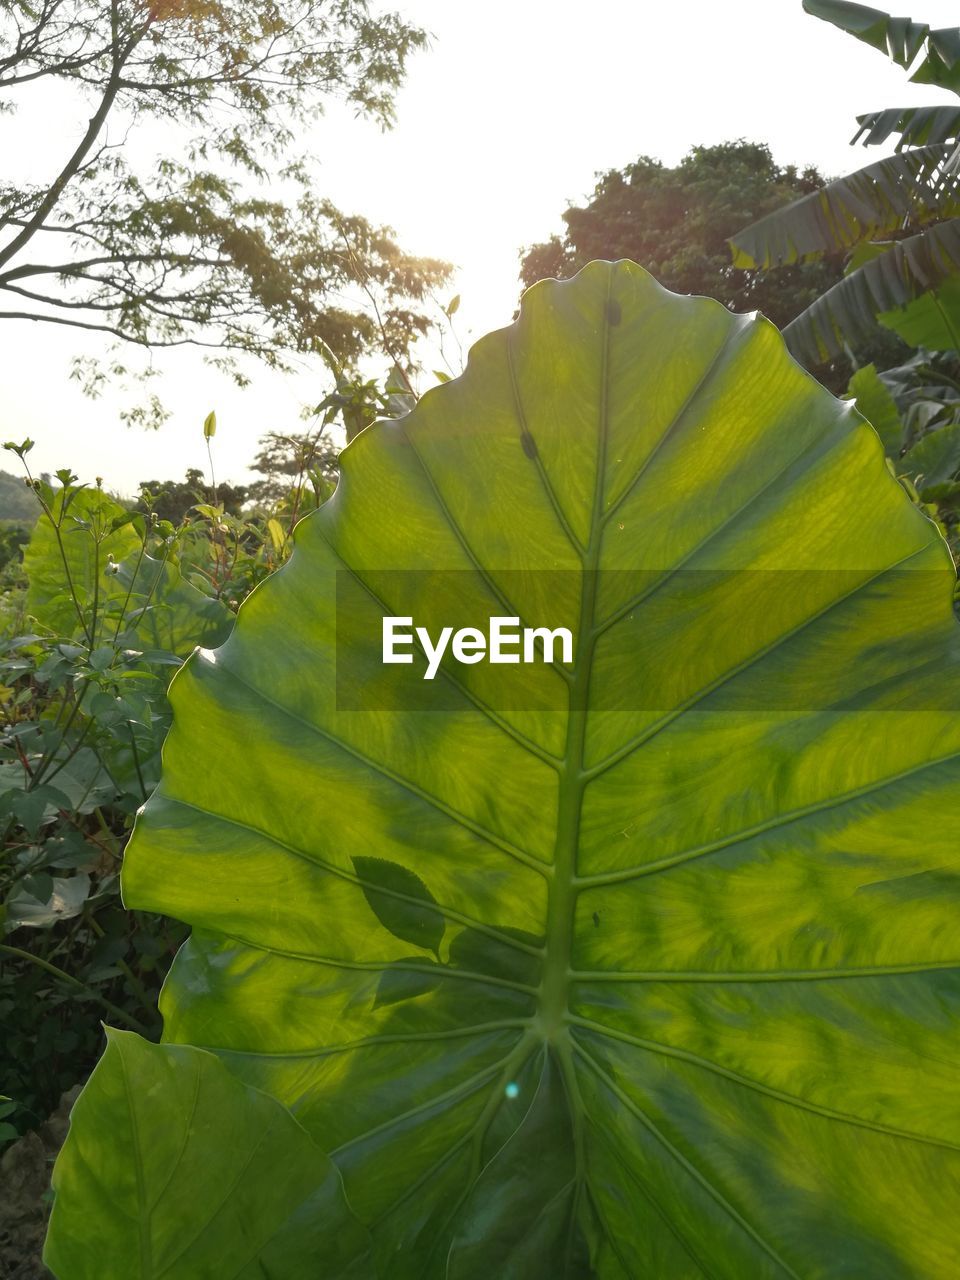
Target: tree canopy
(186,247)
(676,222)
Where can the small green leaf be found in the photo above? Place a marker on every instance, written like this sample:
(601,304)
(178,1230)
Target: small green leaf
(19,449)
(401,902)
(102,657)
(40,804)
(210,425)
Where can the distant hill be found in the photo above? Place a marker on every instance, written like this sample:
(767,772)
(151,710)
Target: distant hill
(16,502)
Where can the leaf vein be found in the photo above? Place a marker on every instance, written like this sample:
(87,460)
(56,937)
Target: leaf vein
(747,1082)
(455,815)
(715,1194)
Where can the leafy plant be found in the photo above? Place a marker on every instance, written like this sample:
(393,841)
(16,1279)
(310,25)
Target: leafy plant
(915,408)
(83,714)
(898,216)
(641,966)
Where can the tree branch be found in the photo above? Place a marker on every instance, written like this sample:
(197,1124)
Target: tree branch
(69,170)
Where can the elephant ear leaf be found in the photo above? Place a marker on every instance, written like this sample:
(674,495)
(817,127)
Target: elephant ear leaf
(203,1176)
(639,964)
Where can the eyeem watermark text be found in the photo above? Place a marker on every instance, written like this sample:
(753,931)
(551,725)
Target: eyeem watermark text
(505,643)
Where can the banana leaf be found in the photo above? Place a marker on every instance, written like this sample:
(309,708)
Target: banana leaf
(901,39)
(883,197)
(880,289)
(916,126)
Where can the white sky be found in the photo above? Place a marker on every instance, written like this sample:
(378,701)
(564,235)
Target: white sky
(503,122)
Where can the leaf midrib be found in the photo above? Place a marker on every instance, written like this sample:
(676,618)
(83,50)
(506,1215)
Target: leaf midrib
(562,890)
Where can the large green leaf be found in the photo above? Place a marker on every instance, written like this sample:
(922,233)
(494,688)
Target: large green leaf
(641,967)
(883,197)
(202,1179)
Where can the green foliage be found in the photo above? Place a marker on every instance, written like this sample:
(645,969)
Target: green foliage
(84,712)
(915,409)
(676,222)
(641,966)
(13,538)
(173,500)
(106,606)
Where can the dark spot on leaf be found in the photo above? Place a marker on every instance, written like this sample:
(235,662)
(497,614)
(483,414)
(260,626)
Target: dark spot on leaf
(614,314)
(529,444)
(596,919)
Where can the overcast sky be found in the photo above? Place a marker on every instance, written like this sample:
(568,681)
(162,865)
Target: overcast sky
(503,122)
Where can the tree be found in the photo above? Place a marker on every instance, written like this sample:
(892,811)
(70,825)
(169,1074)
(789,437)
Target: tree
(183,250)
(172,499)
(286,461)
(675,222)
(896,219)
